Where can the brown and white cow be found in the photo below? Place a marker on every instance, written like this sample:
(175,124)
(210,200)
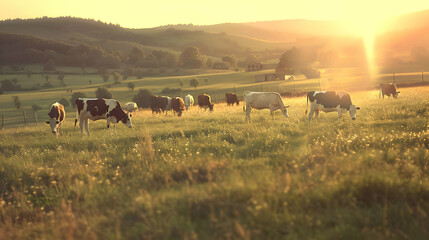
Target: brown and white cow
(204,101)
(57,116)
(130,107)
(160,103)
(231,98)
(330,101)
(264,100)
(177,105)
(388,89)
(100,108)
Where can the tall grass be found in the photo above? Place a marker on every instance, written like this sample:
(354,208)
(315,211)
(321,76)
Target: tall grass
(217,176)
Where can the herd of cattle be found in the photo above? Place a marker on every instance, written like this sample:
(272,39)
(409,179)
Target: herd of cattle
(110,109)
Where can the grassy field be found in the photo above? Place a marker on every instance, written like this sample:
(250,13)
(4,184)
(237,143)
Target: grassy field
(216,176)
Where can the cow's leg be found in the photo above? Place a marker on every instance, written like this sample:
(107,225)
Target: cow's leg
(81,123)
(248,109)
(317,114)
(87,126)
(108,122)
(340,113)
(310,115)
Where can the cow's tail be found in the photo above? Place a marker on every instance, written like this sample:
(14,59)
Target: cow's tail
(306,110)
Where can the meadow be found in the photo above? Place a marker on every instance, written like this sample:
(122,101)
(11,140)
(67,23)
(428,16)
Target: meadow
(217,176)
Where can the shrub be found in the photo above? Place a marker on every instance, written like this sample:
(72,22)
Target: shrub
(75,96)
(311,73)
(103,92)
(142,98)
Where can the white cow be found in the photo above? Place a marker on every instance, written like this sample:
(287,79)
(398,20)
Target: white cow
(264,100)
(189,101)
(130,107)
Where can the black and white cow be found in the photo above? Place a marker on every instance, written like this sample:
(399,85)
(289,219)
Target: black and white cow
(330,101)
(99,108)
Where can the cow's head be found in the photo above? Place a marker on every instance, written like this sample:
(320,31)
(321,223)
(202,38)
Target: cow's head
(127,120)
(211,107)
(353,110)
(284,110)
(238,102)
(54,125)
(395,95)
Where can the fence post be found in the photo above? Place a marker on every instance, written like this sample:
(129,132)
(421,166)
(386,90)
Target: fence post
(35,115)
(2,121)
(25,117)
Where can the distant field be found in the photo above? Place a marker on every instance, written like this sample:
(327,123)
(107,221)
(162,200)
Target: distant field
(214,83)
(216,176)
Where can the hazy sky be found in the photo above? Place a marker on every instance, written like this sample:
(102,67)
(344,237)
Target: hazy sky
(144,13)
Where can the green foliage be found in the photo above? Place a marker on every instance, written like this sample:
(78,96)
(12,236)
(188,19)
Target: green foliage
(64,102)
(231,60)
(75,96)
(295,60)
(17,102)
(103,92)
(131,86)
(142,98)
(194,83)
(36,107)
(170,91)
(192,58)
(105,77)
(116,77)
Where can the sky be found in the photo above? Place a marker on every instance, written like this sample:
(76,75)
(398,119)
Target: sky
(146,14)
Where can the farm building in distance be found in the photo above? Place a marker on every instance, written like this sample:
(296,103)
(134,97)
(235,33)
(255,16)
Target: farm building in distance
(273,77)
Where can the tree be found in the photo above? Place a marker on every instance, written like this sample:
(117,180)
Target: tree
(64,102)
(116,77)
(295,60)
(103,92)
(194,83)
(231,59)
(105,77)
(180,83)
(7,85)
(131,86)
(17,102)
(61,77)
(1,91)
(36,108)
(75,96)
(29,73)
(192,58)
(142,98)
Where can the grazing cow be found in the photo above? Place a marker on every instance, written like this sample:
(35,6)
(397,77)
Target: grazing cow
(177,105)
(330,101)
(231,98)
(160,103)
(130,107)
(264,100)
(57,116)
(189,101)
(388,89)
(99,108)
(204,101)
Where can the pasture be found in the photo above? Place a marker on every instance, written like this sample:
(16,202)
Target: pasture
(215,176)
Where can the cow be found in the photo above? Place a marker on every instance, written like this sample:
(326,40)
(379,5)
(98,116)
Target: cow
(57,116)
(100,108)
(264,100)
(388,89)
(189,101)
(231,98)
(330,101)
(130,107)
(177,105)
(204,101)
(160,103)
